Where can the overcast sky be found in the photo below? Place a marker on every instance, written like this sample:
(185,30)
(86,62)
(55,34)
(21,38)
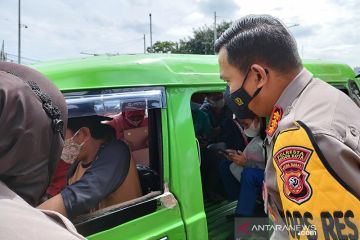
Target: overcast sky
(57,29)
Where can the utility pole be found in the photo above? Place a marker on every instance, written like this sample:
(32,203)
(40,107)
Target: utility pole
(2,53)
(215,33)
(144,44)
(150,32)
(19,35)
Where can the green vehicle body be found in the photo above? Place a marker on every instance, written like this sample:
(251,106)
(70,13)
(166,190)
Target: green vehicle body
(181,76)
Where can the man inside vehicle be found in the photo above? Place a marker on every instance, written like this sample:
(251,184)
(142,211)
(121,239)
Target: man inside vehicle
(214,106)
(103,173)
(131,117)
(225,132)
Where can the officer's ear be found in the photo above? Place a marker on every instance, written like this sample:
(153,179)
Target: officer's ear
(261,75)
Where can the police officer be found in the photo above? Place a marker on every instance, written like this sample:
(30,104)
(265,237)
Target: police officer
(312,176)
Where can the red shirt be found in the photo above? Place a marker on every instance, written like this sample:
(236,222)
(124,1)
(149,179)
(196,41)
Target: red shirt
(58,181)
(120,124)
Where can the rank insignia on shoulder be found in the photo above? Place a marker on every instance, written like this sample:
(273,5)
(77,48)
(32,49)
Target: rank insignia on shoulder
(275,118)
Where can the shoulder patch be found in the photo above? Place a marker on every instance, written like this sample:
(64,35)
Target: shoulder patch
(292,161)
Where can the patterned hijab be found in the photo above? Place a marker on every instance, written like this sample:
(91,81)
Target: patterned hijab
(33,119)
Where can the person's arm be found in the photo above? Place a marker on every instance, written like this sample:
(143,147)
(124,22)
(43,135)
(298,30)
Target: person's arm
(103,177)
(56,204)
(342,159)
(207,129)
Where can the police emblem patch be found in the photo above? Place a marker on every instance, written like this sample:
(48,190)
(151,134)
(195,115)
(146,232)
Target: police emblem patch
(238,101)
(292,162)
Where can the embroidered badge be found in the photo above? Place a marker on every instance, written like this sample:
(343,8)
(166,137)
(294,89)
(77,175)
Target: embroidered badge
(275,118)
(292,162)
(238,101)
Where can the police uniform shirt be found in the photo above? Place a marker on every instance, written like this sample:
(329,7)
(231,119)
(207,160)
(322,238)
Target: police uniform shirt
(334,120)
(19,220)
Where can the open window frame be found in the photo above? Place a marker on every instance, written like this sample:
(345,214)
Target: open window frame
(112,101)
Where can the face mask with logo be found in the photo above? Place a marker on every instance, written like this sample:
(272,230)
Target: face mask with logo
(252,131)
(71,150)
(217,104)
(239,100)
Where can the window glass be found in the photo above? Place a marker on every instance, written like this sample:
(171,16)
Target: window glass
(107,102)
(135,115)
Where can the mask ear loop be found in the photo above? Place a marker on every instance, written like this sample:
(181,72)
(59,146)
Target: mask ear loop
(245,78)
(259,89)
(72,138)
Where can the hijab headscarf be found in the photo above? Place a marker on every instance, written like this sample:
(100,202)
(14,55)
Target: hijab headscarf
(33,119)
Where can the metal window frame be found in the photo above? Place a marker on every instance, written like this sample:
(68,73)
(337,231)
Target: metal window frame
(107,101)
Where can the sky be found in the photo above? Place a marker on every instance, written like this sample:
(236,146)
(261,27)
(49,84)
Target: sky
(58,29)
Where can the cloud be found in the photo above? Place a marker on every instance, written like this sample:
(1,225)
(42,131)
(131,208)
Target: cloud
(227,8)
(346,3)
(304,31)
(328,29)
(139,27)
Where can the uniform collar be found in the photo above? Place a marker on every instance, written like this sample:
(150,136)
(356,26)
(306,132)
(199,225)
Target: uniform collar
(286,99)
(293,90)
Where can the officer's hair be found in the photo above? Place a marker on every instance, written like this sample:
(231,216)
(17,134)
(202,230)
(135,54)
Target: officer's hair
(97,129)
(259,38)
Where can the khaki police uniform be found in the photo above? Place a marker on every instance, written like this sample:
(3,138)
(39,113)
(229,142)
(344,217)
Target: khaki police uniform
(312,176)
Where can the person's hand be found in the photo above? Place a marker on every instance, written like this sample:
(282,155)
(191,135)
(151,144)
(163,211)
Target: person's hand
(236,156)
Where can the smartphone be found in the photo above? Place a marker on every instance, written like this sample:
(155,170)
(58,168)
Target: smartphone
(222,151)
(239,152)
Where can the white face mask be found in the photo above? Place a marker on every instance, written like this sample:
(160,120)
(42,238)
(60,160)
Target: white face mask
(252,131)
(71,150)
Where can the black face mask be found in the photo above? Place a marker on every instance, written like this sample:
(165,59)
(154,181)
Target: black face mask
(239,100)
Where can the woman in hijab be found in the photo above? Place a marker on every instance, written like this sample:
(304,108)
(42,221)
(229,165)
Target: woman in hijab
(32,123)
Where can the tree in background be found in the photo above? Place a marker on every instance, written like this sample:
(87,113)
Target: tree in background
(202,41)
(164,47)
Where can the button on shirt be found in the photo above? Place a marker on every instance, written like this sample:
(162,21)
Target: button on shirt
(334,121)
